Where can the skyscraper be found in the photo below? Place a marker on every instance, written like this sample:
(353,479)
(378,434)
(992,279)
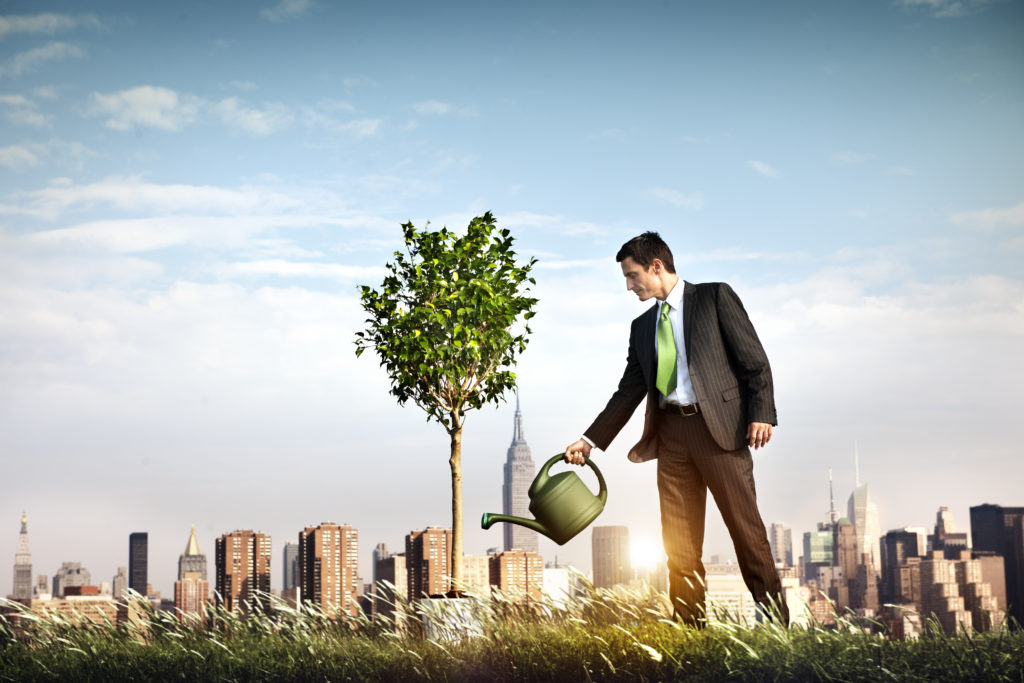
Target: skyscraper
(192,560)
(518,574)
(519,472)
(138,562)
(780,538)
(428,557)
(243,568)
(23,564)
(329,567)
(609,547)
(946,538)
(119,583)
(70,574)
(1000,530)
(863,513)
(290,577)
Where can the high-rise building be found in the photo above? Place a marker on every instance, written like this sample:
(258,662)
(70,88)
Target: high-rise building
(428,557)
(818,551)
(518,574)
(192,560)
(329,567)
(780,537)
(519,472)
(863,513)
(898,546)
(119,584)
(1000,530)
(23,564)
(476,574)
(290,575)
(138,562)
(609,546)
(70,574)
(946,538)
(191,594)
(391,585)
(243,569)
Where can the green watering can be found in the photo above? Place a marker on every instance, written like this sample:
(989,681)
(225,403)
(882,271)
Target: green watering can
(562,504)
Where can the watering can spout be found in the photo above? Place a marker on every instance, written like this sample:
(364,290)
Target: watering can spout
(490,518)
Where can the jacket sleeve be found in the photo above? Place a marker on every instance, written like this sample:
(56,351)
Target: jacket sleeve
(632,388)
(747,356)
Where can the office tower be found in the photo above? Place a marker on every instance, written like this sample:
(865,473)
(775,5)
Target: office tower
(945,537)
(428,558)
(818,552)
(138,562)
(609,546)
(476,574)
(290,575)
(898,546)
(940,593)
(519,472)
(41,591)
(23,564)
(329,567)
(192,560)
(1000,530)
(243,569)
(191,593)
(781,539)
(979,601)
(380,552)
(863,514)
(70,575)
(391,587)
(518,574)
(119,584)
(845,561)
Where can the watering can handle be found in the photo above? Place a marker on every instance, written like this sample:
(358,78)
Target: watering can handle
(602,494)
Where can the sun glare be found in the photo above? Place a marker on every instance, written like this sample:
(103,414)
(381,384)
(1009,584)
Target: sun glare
(645,553)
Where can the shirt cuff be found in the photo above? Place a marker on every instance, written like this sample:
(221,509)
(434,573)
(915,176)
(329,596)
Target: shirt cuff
(584,437)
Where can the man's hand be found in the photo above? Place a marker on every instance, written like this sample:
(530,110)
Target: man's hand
(576,451)
(758,434)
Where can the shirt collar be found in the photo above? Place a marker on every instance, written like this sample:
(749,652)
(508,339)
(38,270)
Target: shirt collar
(675,295)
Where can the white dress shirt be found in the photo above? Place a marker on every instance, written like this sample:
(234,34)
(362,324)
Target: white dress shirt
(683,393)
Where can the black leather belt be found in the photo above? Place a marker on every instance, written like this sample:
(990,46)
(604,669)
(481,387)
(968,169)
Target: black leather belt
(686,409)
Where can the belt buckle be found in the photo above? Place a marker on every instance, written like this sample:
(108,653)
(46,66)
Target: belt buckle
(688,410)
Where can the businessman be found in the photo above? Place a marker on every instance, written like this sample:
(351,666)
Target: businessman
(696,358)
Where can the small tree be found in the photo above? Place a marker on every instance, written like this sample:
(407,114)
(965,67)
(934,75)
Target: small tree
(447,323)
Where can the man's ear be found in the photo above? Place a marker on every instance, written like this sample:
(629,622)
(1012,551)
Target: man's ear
(657,267)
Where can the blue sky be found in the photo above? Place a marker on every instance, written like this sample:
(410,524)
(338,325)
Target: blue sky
(192,192)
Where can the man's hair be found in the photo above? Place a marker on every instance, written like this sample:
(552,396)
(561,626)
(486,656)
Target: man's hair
(644,249)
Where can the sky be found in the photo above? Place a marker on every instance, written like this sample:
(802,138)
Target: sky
(192,192)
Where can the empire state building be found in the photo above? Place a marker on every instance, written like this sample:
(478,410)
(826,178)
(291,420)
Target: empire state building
(519,473)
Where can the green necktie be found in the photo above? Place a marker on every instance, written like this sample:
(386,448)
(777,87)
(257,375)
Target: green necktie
(666,353)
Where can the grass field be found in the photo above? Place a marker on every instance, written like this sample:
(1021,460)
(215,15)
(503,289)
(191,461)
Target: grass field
(600,636)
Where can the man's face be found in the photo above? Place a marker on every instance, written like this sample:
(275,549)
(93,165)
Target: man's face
(644,282)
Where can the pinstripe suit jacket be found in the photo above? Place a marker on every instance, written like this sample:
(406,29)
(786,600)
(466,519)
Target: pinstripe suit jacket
(728,369)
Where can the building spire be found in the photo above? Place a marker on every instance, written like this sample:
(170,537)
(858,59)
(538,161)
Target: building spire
(831,500)
(193,545)
(856,464)
(517,434)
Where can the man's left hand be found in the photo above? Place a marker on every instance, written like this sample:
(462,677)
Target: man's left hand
(758,434)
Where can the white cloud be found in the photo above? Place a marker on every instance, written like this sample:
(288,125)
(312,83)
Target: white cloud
(948,9)
(47,23)
(693,201)
(991,219)
(764,169)
(437,108)
(30,60)
(850,158)
(22,110)
(286,9)
(265,121)
(304,269)
(148,106)
(17,157)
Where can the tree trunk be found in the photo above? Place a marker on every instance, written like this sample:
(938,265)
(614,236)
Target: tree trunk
(456,464)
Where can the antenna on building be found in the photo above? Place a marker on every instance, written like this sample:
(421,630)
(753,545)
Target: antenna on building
(831,500)
(856,464)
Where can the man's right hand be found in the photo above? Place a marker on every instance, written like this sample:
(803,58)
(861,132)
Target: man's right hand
(576,452)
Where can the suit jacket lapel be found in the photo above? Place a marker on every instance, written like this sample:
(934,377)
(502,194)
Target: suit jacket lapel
(689,298)
(645,350)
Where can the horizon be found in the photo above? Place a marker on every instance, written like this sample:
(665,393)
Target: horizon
(192,195)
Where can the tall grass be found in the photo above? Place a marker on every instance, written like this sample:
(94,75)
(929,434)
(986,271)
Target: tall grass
(601,635)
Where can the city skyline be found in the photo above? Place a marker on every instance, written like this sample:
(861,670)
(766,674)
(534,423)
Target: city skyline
(192,194)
